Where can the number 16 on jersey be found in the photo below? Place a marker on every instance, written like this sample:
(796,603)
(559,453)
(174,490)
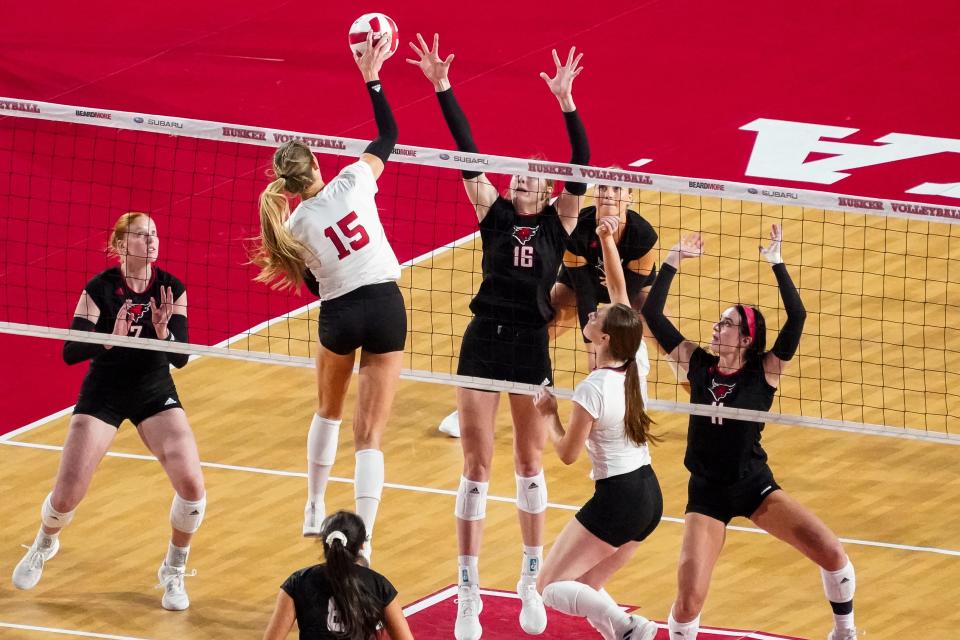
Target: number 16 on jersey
(523,256)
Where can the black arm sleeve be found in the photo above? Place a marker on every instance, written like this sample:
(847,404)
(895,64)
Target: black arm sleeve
(789,337)
(662,329)
(386,138)
(580,147)
(74,352)
(177,328)
(459,127)
(311,282)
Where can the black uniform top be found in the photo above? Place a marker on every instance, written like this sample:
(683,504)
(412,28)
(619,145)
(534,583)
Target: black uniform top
(316,612)
(720,449)
(121,366)
(637,240)
(521,257)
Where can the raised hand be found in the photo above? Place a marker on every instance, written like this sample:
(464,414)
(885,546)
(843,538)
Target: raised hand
(429,61)
(160,314)
(545,402)
(561,84)
(372,59)
(121,326)
(772,251)
(607,226)
(690,246)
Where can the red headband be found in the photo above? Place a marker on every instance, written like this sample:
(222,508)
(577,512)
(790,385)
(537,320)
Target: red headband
(751,317)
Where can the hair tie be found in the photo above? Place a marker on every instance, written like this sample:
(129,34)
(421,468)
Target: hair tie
(751,317)
(336,535)
(282,175)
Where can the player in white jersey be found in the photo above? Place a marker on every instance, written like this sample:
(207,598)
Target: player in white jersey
(335,239)
(608,417)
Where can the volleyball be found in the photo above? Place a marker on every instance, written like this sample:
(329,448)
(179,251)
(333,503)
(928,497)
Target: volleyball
(382,27)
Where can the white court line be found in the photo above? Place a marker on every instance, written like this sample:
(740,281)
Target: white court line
(66,632)
(36,423)
(453,493)
(429,601)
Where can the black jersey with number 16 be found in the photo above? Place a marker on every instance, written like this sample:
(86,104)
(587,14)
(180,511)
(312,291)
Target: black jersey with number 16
(521,256)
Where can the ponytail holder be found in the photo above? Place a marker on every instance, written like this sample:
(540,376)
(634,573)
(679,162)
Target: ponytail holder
(751,317)
(336,535)
(282,175)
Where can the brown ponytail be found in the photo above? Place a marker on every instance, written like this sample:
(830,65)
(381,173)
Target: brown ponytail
(279,255)
(625,329)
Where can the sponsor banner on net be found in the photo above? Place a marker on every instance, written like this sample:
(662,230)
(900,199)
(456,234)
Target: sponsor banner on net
(771,192)
(19,105)
(316,142)
(163,123)
(97,115)
(460,160)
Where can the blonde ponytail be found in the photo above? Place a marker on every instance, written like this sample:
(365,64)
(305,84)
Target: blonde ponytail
(279,255)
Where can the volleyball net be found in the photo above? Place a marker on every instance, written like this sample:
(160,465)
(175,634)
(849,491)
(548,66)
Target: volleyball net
(880,347)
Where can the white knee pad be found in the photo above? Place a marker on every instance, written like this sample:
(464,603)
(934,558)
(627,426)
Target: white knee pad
(52,518)
(561,596)
(532,493)
(186,515)
(322,441)
(368,474)
(471,500)
(839,585)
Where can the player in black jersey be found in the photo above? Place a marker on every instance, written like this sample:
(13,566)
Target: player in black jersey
(341,599)
(139,300)
(523,238)
(581,285)
(729,475)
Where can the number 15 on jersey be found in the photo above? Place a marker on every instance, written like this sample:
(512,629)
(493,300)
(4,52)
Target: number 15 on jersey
(358,236)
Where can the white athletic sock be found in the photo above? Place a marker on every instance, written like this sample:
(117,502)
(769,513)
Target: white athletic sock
(321,452)
(532,559)
(45,540)
(579,599)
(842,621)
(606,630)
(468,571)
(368,486)
(683,630)
(177,556)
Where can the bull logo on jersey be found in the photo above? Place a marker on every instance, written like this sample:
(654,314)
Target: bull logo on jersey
(137,311)
(524,235)
(720,390)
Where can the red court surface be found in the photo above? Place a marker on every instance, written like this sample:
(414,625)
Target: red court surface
(432,618)
(673,82)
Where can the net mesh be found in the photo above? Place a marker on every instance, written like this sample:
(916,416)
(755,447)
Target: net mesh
(880,345)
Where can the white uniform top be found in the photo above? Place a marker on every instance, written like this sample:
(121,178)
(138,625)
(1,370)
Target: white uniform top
(341,229)
(601,395)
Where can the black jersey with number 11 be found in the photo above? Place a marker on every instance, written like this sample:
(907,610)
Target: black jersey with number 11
(721,449)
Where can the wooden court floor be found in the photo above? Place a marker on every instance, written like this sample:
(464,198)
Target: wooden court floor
(893,500)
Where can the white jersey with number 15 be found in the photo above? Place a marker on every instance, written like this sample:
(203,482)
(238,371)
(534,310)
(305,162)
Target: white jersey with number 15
(341,228)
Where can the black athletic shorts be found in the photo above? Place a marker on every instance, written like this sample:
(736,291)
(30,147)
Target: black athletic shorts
(115,403)
(624,507)
(373,318)
(724,502)
(589,297)
(505,352)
